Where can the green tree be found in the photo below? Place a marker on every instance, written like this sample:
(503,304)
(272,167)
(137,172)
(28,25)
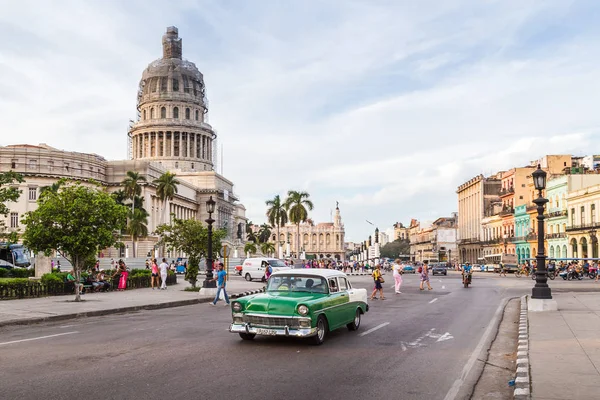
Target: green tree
(137,226)
(264,233)
(250,235)
(267,248)
(395,248)
(298,205)
(166,188)
(189,236)
(277,216)
(132,186)
(75,220)
(8,193)
(250,248)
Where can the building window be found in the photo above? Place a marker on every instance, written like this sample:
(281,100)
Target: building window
(175,112)
(572,217)
(144,115)
(176,164)
(175,85)
(192,165)
(186,84)
(13,164)
(593,213)
(187,113)
(520,197)
(32,164)
(163,112)
(50,165)
(14,220)
(582,215)
(197,114)
(152,113)
(163,84)
(32,194)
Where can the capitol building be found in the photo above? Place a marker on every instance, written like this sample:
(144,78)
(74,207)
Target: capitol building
(170,134)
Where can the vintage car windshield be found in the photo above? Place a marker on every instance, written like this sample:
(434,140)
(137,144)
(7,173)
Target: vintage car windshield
(297,283)
(276,263)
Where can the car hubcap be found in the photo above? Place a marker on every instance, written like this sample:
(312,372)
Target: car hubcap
(320,330)
(357,319)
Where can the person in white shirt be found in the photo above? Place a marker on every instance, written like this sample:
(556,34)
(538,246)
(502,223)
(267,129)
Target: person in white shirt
(163,267)
(397,272)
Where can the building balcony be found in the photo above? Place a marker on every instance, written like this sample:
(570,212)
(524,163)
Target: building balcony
(507,192)
(519,239)
(531,208)
(561,235)
(491,241)
(553,214)
(584,226)
(507,211)
(532,236)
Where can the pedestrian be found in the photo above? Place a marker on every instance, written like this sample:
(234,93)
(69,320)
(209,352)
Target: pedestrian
(502,269)
(221,286)
(397,273)
(378,279)
(122,270)
(154,274)
(52,265)
(112,263)
(164,268)
(424,269)
(57,265)
(147,264)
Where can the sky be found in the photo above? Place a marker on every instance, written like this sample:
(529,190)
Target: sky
(384,106)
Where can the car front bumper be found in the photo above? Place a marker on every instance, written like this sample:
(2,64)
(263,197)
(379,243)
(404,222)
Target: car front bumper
(269,331)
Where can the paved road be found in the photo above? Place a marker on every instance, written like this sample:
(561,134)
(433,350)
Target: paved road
(410,346)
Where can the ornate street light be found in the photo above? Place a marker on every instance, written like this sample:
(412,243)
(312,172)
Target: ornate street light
(541,290)
(208,282)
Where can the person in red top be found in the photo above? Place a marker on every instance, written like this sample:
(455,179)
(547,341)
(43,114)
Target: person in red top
(154,277)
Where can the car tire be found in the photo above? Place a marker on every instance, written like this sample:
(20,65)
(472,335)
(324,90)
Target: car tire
(355,324)
(319,338)
(247,336)
(248,277)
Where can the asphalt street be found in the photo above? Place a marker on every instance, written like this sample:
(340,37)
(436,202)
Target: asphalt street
(412,345)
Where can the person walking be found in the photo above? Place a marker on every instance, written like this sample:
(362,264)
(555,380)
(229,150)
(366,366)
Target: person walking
(425,275)
(164,268)
(502,269)
(397,273)
(122,270)
(154,274)
(378,278)
(221,274)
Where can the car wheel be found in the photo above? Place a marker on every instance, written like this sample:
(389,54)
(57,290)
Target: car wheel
(355,324)
(319,338)
(247,336)
(248,277)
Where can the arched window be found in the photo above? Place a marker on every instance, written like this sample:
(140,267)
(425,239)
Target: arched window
(163,112)
(187,113)
(175,112)
(152,113)
(144,114)
(197,114)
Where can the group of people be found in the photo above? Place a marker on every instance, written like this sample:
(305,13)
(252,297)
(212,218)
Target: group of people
(397,271)
(156,269)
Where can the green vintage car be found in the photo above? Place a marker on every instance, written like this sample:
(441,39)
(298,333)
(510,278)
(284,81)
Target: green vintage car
(300,303)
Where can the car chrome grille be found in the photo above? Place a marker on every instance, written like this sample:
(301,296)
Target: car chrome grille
(271,322)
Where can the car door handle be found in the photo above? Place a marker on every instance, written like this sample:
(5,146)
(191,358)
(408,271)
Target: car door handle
(343,294)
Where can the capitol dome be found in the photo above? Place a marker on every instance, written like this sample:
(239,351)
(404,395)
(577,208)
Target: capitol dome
(172,106)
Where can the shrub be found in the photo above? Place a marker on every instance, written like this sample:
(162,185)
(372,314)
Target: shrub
(140,272)
(48,278)
(21,273)
(192,289)
(4,273)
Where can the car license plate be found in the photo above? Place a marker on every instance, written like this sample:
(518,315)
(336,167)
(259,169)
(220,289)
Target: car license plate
(270,332)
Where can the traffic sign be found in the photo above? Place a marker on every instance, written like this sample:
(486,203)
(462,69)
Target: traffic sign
(225,251)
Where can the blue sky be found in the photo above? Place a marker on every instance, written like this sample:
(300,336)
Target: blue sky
(384,106)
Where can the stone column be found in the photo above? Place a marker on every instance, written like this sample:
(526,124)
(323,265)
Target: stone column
(172,144)
(156,144)
(195,145)
(42,265)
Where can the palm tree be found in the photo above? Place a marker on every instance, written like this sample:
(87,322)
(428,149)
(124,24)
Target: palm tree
(249,249)
(251,236)
(165,190)
(267,248)
(138,221)
(264,233)
(132,187)
(277,216)
(296,205)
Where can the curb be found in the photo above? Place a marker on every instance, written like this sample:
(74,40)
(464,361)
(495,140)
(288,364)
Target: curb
(522,379)
(97,313)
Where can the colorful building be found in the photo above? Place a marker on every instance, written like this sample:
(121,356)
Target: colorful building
(522,227)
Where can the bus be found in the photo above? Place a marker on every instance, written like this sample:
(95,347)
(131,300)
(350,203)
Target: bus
(15,254)
(496,260)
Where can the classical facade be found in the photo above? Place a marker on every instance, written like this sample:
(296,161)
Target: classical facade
(474,197)
(169,134)
(400,231)
(583,222)
(435,242)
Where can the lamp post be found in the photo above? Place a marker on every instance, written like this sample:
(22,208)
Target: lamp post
(541,289)
(208,282)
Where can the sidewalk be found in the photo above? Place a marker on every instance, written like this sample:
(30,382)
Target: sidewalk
(42,309)
(564,348)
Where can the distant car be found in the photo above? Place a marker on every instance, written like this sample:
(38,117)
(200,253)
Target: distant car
(439,269)
(408,269)
(180,269)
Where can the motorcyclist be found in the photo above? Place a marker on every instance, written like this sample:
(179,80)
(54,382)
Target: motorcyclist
(466,272)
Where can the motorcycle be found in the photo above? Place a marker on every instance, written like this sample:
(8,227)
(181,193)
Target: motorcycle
(551,274)
(571,274)
(467,279)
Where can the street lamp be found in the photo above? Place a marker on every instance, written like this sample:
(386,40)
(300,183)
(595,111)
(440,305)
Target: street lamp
(541,289)
(208,282)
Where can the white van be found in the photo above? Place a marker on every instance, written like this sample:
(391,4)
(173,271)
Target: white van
(254,268)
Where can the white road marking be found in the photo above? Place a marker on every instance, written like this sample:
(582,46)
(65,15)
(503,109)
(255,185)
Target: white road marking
(38,338)
(374,329)
(66,326)
(453,392)
(433,301)
(445,336)
(403,346)
(443,287)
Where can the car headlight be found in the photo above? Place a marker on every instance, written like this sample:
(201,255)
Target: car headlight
(302,310)
(236,306)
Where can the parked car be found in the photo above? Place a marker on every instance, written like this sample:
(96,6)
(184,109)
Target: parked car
(408,269)
(305,303)
(439,269)
(254,268)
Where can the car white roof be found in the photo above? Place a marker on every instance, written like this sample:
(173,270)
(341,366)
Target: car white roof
(323,273)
